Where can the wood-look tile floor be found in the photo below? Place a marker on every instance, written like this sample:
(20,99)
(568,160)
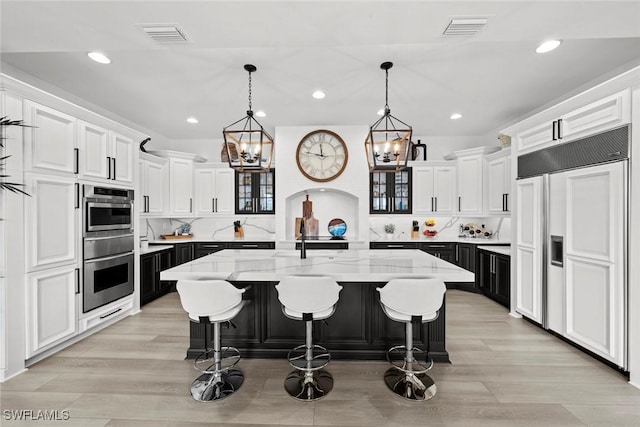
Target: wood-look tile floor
(504,372)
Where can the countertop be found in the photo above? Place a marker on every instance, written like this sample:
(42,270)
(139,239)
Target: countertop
(502,250)
(472,240)
(342,265)
(154,248)
(204,239)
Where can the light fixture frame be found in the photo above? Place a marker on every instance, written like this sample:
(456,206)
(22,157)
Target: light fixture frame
(388,132)
(248,146)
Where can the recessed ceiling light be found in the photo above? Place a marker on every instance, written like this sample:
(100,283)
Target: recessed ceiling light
(318,94)
(99,57)
(261,113)
(380,112)
(192,120)
(548,46)
(455,116)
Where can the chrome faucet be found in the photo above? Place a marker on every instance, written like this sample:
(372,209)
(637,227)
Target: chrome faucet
(303,246)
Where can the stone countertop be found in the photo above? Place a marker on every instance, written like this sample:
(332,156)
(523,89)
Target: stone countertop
(154,248)
(379,265)
(472,240)
(197,239)
(502,250)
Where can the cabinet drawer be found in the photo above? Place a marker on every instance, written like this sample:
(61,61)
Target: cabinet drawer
(396,245)
(103,315)
(324,245)
(252,245)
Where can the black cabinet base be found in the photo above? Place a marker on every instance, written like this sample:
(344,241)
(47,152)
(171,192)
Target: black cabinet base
(358,330)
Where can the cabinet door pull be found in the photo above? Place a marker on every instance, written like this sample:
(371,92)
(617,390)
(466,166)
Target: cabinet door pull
(114,167)
(111,314)
(109,167)
(77,281)
(77,205)
(459,203)
(76,166)
(213,204)
(506,202)
(553,131)
(457,253)
(216,204)
(559,128)
(432,204)
(190,204)
(148,203)
(436,199)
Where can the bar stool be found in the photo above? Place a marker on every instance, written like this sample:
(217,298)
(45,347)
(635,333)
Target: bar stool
(308,298)
(213,302)
(411,301)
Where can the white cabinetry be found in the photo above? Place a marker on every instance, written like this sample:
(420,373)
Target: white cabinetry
(434,189)
(606,113)
(52,218)
(105,155)
(51,307)
(51,142)
(529,248)
(213,190)
(181,187)
(470,184)
(151,192)
(497,194)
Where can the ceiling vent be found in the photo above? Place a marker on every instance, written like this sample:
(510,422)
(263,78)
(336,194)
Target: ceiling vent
(465,26)
(164,33)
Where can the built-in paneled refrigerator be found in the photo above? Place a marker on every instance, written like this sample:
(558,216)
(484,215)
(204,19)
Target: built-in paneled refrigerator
(571,249)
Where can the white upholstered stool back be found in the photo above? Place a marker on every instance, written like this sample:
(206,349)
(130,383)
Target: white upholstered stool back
(315,295)
(404,299)
(218,300)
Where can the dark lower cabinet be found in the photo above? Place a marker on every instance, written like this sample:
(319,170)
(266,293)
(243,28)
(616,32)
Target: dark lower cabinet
(466,256)
(150,267)
(394,245)
(495,276)
(445,251)
(184,252)
(206,248)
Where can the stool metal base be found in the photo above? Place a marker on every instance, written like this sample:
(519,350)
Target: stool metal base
(210,387)
(308,386)
(410,386)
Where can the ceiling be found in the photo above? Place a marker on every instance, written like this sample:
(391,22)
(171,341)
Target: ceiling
(491,78)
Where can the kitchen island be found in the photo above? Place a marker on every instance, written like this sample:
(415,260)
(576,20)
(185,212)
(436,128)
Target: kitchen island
(357,330)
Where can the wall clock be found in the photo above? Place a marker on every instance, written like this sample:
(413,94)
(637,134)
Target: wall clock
(322,155)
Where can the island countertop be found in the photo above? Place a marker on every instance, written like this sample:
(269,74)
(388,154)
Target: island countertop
(342,265)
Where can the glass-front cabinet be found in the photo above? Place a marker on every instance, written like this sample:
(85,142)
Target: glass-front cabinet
(255,192)
(390,192)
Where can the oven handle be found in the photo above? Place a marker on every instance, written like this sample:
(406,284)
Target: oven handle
(125,205)
(108,258)
(109,237)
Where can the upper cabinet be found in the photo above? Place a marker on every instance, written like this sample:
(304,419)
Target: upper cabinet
(181,187)
(498,179)
(255,192)
(104,155)
(434,189)
(470,184)
(606,113)
(213,189)
(51,141)
(153,176)
(390,192)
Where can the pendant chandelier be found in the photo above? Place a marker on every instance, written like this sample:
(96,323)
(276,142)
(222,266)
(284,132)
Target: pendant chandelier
(248,146)
(388,144)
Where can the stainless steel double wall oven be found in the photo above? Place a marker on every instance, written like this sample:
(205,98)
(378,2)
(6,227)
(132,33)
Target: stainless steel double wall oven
(108,245)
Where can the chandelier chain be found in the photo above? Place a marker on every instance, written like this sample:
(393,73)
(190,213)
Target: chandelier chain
(250,109)
(386,90)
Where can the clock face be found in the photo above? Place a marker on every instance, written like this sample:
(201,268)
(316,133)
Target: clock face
(322,155)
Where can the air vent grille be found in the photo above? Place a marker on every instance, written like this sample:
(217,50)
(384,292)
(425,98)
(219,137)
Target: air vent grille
(165,33)
(465,26)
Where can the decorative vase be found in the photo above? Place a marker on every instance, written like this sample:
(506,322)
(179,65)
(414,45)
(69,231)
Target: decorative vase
(389,236)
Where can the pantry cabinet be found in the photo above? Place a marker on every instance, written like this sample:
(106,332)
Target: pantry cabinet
(213,190)
(152,185)
(51,141)
(51,307)
(434,190)
(609,112)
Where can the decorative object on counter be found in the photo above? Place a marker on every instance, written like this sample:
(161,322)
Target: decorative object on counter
(296,228)
(307,207)
(474,230)
(176,237)
(430,231)
(386,134)
(249,139)
(337,227)
(389,229)
(144,141)
(415,230)
(311,225)
(144,244)
(238,232)
(419,151)
(504,140)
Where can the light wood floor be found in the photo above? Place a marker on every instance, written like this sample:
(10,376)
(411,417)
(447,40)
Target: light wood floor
(504,372)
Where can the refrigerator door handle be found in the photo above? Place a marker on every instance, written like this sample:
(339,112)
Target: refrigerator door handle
(557,251)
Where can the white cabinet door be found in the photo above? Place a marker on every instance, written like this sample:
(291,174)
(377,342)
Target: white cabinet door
(155,188)
(595,264)
(498,186)
(121,151)
(444,189)
(94,150)
(606,113)
(50,145)
(51,307)
(423,179)
(52,215)
(535,138)
(470,185)
(529,248)
(181,187)
(213,191)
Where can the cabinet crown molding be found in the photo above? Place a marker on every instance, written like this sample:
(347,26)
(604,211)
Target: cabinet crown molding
(472,151)
(177,154)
